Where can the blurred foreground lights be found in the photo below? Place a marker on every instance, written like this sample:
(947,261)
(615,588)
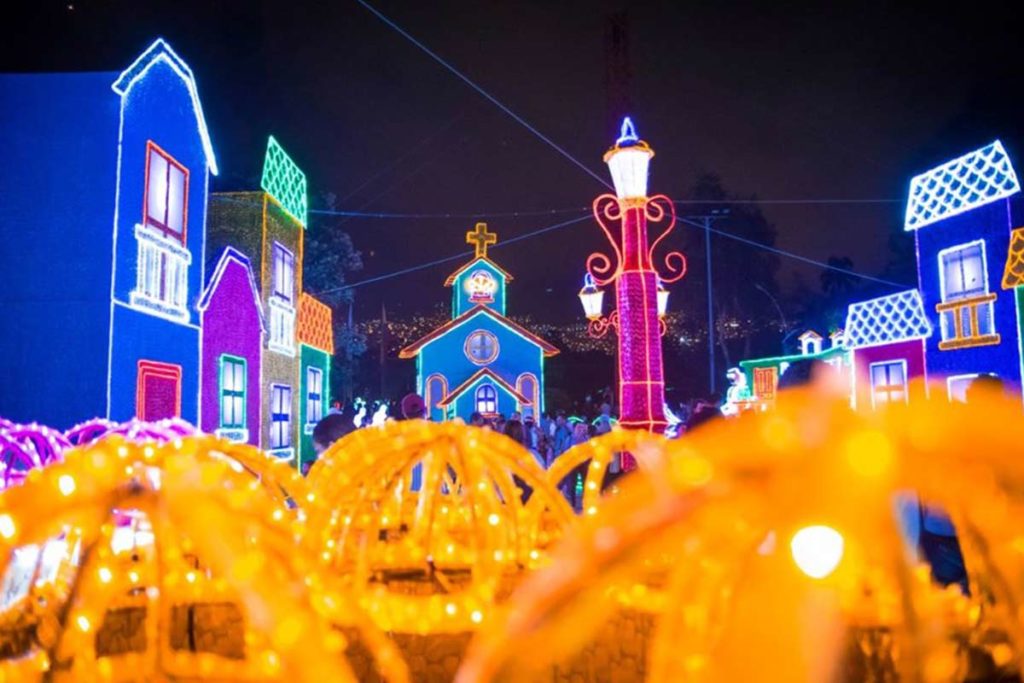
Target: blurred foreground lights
(817,550)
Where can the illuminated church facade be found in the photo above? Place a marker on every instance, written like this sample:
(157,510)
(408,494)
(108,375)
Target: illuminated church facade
(480,361)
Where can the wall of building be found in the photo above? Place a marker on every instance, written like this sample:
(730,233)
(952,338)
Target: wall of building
(231,325)
(311,357)
(446,355)
(59,146)
(460,297)
(911,351)
(992,224)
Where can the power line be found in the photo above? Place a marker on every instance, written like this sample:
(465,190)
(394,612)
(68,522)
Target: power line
(798,257)
(493,100)
(446,259)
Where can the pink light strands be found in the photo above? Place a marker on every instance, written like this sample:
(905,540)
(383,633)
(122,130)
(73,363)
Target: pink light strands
(632,266)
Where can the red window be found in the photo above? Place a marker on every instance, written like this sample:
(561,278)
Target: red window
(158,391)
(165,207)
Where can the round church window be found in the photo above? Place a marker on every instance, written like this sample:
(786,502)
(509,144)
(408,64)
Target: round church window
(481,347)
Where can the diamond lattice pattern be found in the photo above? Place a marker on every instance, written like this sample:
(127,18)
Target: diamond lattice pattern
(284,181)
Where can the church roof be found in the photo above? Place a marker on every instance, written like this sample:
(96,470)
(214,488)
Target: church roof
(413,349)
(314,324)
(454,276)
(480,374)
(886,320)
(1013,276)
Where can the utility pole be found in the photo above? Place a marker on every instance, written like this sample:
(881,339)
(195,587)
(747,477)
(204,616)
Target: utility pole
(383,351)
(705,222)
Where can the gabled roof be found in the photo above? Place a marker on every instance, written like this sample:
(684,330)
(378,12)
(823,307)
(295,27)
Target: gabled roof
(414,348)
(314,324)
(451,278)
(809,334)
(160,51)
(1013,274)
(965,183)
(886,320)
(229,255)
(480,374)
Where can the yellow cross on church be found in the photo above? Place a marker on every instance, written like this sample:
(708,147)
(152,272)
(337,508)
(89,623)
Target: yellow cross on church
(481,238)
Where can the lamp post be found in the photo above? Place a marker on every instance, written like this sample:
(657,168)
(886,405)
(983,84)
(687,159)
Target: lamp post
(640,296)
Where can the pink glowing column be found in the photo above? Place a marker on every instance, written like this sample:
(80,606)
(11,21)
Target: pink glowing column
(641,373)
(631,267)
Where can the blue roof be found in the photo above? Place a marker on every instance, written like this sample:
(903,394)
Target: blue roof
(160,51)
(886,320)
(965,183)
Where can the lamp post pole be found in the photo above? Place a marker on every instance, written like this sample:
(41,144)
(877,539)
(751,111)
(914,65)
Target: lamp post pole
(631,266)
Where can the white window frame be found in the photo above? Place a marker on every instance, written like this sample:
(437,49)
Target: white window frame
(889,387)
(478,401)
(314,406)
(947,328)
(161,285)
(283,284)
(281,338)
(282,441)
(942,269)
(954,378)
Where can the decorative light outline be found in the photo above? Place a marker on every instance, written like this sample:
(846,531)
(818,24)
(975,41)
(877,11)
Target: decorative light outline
(285,182)
(229,255)
(161,370)
(871,379)
(950,380)
(231,358)
(419,345)
(958,170)
(160,51)
(955,342)
(915,320)
(481,238)
(428,394)
(486,333)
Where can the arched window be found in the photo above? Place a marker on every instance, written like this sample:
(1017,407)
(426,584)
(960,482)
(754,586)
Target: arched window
(526,385)
(486,400)
(435,391)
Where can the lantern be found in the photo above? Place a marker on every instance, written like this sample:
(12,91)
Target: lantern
(662,299)
(628,161)
(591,297)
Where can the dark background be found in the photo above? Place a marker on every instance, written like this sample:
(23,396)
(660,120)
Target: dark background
(782,102)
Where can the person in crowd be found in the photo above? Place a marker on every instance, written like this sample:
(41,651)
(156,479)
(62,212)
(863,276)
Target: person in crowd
(413,407)
(477,420)
(514,430)
(603,423)
(580,432)
(336,408)
(703,413)
(331,428)
(563,434)
(546,424)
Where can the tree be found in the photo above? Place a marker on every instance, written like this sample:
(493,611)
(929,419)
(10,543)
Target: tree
(329,258)
(745,287)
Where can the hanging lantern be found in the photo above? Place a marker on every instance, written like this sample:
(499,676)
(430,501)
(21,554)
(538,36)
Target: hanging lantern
(662,299)
(628,161)
(591,297)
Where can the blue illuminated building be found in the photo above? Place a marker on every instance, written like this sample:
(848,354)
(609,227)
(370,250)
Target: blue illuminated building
(104,200)
(480,361)
(960,214)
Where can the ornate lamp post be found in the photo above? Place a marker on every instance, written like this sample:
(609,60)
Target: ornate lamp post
(640,295)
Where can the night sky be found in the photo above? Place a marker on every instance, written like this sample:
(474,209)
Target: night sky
(782,102)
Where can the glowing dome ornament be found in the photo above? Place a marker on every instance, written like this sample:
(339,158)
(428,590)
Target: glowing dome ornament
(481,287)
(628,161)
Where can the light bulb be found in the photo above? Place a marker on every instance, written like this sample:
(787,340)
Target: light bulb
(817,550)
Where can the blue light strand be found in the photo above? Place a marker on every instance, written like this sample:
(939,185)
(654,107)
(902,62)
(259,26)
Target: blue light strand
(493,100)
